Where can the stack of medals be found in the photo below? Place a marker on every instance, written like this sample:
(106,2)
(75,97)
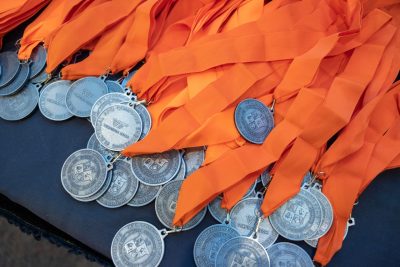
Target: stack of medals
(98,173)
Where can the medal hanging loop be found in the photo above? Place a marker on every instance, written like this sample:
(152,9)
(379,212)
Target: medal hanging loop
(165,232)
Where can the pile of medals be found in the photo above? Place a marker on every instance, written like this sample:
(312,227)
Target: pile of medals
(99,173)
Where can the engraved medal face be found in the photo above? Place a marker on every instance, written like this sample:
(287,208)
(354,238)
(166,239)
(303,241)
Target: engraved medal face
(193,158)
(299,218)
(94,144)
(114,87)
(99,193)
(288,254)
(18,82)
(166,204)
(146,119)
(83,93)
(218,213)
(209,242)
(253,120)
(52,101)
(144,195)
(137,244)
(38,57)
(104,102)
(242,251)
(327,213)
(244,216)
(123,186)
(181,175)
(20,105)
(118,126)
(10,67)
(84,173)
(156,169)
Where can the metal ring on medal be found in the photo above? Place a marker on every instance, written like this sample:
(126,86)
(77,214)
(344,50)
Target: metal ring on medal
(253,120)
(156,169)
(193,158)
(244,216)
(242,251)
(10,66)
(84,173)
(18,82)
(52,101)
(20,105)
(123,186)
(218,213)
(114,87)
(94,144)
(209,241)
(327,213)
(166,204)
(99,193)
(299,218)
(39,56)
(83,93)
(146,119)
(288,254)
(104,102)
(137,244)
(117,127)
(144,195)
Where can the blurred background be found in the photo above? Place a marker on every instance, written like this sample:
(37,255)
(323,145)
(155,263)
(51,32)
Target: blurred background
(18,249)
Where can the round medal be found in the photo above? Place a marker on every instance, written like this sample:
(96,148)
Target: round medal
(39,56)
(209,241)
(156,169)
(10,67)
(288,254)
(166,204)
(327,213)
(146,119)
(242,251)
(84,173)
(114,87)
(20,105)
(181,175)
(18,82)
(299,218)
(83,93)
(137,244)
(94,144)
(193,158)
(123,186)
(244,216)
(265,178)
(117,127)
(254,120)
(40,78)
(104,102)
(218,213)
(99,193)
(52,101)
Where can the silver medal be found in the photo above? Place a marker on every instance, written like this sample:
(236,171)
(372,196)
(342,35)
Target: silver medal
(84,173)
(137,244)
(18,82)
(99,193)
(193,157)
(299,218)
(265,178)
(104,102)
(52,101)
(216,211)
(242,251)
(244,216)
(144,195)
(118,126)
(20,105)
(327,213)
(40,78)
(123,186)
(38,57)
(181,175)
(208,243)
(156,169)
(114,87)
(83,93)
(288,254)
(10,66)
(94,144)
(166,204)
(253,120)
(146,119)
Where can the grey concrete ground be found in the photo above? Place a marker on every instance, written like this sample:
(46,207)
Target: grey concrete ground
(20,250)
